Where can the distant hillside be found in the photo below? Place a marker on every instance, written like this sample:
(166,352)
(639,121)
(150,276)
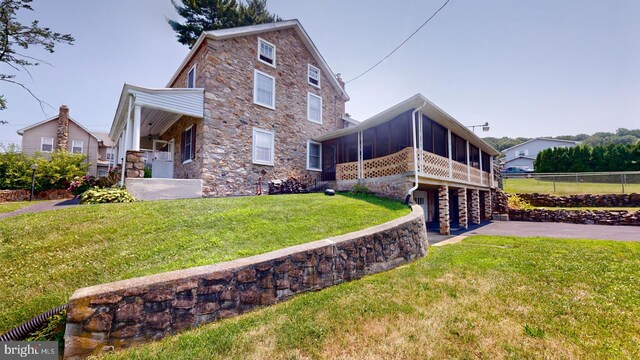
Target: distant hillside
(622,136)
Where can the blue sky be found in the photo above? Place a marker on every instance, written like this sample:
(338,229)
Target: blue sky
(529,68)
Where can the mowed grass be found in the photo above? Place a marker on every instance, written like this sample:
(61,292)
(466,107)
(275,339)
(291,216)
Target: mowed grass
(6,207)
(45,257)
(529,186)
(486,297)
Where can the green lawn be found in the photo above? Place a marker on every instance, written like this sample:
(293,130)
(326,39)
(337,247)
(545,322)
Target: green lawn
(45,256)
(6,207)
(528,186)
(483,298)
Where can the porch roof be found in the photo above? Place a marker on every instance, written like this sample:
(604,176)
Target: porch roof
(160,108)
(429,109)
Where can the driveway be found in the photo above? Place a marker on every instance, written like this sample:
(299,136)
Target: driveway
(544,229)
(42,206)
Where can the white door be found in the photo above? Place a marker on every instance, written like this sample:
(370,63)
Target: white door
(162,160)
(420,198)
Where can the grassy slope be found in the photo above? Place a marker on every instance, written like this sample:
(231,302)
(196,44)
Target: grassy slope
(44,257)
(6,207)
(527,186)
(486,297)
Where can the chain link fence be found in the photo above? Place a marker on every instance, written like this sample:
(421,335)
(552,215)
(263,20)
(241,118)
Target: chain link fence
(573,183)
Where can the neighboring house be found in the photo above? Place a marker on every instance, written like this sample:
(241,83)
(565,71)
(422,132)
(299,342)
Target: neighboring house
(63,132)
(523,155)
(258,103)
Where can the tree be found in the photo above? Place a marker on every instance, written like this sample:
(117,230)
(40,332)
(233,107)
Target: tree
(206,15)
(15,36)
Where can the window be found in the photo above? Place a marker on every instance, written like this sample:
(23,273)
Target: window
(262,147)
(314,75)
(109,155)
(76,146)
(102,172)
(264,90)
(191,78)
(266,52)
(188,144)
(522,153)
(314,108)
(314,156)
(46,144)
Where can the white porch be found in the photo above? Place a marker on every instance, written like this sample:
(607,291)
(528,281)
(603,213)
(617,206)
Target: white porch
(143,115)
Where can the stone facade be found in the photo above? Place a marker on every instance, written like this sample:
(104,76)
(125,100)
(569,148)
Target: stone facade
(486,195)
(392,187)
(125,313)
(586,200)
(475,206)
(462,208)
(190,169)
(599,217)
(225,69)
(134,164)
(443,201)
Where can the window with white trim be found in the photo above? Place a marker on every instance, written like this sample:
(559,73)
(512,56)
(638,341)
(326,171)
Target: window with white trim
(520,153)
(76,146)
(191,78)
(266,52)
(314,156)
(102,172)
(188,144)
(264,89)
(46,144)
(263,144)
(109,155)
(313,74)
(314,108)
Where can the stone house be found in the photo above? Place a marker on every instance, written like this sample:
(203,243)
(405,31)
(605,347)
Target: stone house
(63,132)
(258,103)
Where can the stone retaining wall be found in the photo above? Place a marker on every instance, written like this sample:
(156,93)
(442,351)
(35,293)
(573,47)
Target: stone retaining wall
(23,195)
(587,200)
(599,217)
(129,312)
(14,195)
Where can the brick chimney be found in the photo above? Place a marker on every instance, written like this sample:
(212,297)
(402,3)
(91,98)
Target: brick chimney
(340,81)
(62,138)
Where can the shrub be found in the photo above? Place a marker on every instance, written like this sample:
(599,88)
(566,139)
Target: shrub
(82,184)
(106,195)
(360,189)
(516,202)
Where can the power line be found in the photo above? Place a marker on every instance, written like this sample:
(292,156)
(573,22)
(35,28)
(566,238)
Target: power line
(402,43)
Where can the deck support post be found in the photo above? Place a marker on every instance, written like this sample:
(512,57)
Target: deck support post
(443,207)
(462,208)
(475,206)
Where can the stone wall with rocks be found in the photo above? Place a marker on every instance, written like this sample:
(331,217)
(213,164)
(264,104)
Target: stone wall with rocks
(599,217)
(392,187)
(23,195)
(586,200)
(129,312)
(14,195)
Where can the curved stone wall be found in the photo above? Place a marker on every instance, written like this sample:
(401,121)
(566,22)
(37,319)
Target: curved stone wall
(129,312)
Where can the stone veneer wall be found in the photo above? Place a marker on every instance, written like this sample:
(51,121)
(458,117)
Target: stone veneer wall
(475,206)
(135,164)
(191,169)
(462,208)
(443,209)
(129,312)
(392,187)
(487,204)
(599,217)
(587,200)
(225,69)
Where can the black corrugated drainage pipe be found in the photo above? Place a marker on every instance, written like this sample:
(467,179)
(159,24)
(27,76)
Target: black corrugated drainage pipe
(21,331)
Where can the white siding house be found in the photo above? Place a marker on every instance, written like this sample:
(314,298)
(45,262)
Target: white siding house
(523,155)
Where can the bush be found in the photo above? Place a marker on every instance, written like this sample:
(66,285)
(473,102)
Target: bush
(107,195)
(516,202)
(360,189)
(82,184)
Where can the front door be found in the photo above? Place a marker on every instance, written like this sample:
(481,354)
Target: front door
(420,198)
(162,160)
(329,160)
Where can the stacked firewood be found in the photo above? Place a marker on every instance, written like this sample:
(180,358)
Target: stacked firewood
(290,185)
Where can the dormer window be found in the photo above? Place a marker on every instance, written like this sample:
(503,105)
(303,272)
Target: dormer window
(313,75)
(191,78)
(266,52)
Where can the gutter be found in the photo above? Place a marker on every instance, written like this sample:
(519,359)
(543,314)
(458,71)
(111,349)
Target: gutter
(415,152)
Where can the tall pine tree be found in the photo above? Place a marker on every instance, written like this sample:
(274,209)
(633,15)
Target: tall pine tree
(206,15)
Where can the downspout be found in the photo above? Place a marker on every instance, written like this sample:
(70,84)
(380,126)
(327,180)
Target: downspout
(415,153)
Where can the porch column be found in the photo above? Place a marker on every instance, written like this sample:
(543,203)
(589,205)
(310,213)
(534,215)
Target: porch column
(135,143)
(443,207)
(462,208)
(491,167)
(360,156)
(480,155)
(450,163)
(475,206)
(134,164)
(420,143)
(468,164)
(487,204)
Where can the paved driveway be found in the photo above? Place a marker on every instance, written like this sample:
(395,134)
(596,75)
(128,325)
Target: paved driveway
(544,229)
